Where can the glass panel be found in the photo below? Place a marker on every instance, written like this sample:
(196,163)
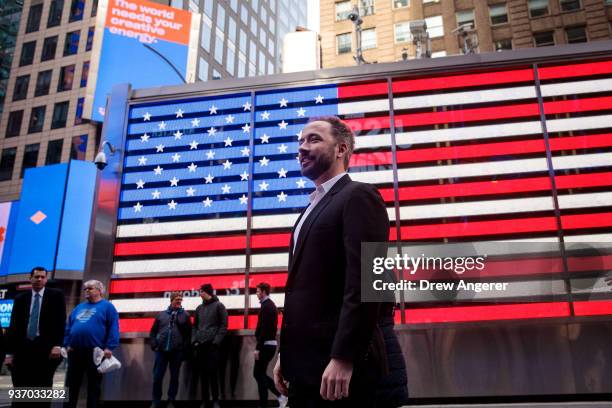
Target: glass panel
(21,87)
(400,3)
(219,47)
(65,79)
(343,9)
(43,83)
(34,16)
(208,8)
(435,26)
(465,17)
(7,163)
(49,48)
(30,157)
(569,5)
(368,39)
(13,125)
(503,45)
(27,53)
(402,32)
(232,29)
(206,33)
(220,17)
(55,13)
(366,7)
(71,45)
(544,39)
(576,35)
(78,117)
(79,147)
(76,10)
(94,8)
(84,74)
(37,119)
(60,114)
(537,7)
(90,38)
(203,70)
(54,151)
(343,43)
(498,14)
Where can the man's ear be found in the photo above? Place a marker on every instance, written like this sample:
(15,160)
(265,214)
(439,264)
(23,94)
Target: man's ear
(342,149)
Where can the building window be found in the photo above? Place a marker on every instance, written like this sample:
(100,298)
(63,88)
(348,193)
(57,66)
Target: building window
(366,7)
(7,163)
(576,34)
(435,26)
(84,74)
(90,38)
(402,32)
(537,8)
(438,54)
(55,13)
(220,17)
(76,10)
(203,70)
(21,87)
(368,39)
(343,9)
(465,17)
(54,151)
(94,8)
(343,43)
(27,53)
(78,117)
(503,45)
(49,48)
(34,16)
(65,79)
(60,115)
(37,119)
(244,15)
(569,5)
(71,45)
(30,157)
(400,3)
(206,33)
(544,39)
(43,83)
(219,47)
(216,75)
(498,13)
(78,147)
(13,125)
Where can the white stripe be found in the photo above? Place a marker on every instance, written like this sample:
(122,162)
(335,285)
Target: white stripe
(585,200)
(577,87)
(376,105)
(581,123)
(273,261)
(371,141)
(189,303)
(182,227)
(274,221)
(603,239)
(508,206)
(469,133)
(457,98)
(582,161)
(512,289)
(196,265)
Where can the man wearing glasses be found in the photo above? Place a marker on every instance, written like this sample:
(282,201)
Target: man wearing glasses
(93,323)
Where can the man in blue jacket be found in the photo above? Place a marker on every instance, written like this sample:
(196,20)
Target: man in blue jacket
(93,323)
(170,336)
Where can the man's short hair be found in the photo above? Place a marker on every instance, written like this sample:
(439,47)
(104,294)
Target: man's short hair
(38,268)
(96,284)
(264,287)
(207,288)
(342,132)
(175,294)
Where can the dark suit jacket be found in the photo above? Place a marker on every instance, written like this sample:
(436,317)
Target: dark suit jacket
(51,322)
(323,315)
(267,323)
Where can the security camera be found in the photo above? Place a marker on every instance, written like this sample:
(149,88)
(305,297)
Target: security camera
(353,16)
(101,161)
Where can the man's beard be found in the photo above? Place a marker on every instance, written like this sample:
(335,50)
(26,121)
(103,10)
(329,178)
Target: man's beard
(318,165)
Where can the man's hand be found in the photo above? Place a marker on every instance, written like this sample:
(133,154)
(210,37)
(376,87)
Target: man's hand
(56,352)
(107,353)
(336,379)
(8,360)
(279,381)
(256,354)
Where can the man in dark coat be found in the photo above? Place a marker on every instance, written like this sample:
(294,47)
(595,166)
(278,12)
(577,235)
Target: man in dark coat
(265,334)
(328,333)
(169,336)
(36,333)
(210,326)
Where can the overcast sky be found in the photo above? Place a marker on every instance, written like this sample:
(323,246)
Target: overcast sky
(313,15)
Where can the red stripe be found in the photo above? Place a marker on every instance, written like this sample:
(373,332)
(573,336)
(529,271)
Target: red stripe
(575,70)
(578,105)
(586,220)
(596,263)
(593,308)
(350,91)
(487,312)
(462,81)
(467,115)
(143,324)
(144,285)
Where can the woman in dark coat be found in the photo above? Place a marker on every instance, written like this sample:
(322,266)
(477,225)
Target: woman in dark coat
(392,391)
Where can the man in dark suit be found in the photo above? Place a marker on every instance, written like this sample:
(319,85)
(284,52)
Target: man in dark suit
(328,332)
(36,333)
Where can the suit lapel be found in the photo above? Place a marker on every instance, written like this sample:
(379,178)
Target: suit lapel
(312,217)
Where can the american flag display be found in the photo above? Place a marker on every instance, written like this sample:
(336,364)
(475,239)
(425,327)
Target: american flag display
(471,166)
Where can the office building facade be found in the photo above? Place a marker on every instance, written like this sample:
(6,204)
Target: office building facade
(42,119)
(499,24)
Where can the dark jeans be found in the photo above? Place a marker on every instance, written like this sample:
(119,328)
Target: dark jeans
(80,363)
(208,360)
(163,359)
(264,382)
